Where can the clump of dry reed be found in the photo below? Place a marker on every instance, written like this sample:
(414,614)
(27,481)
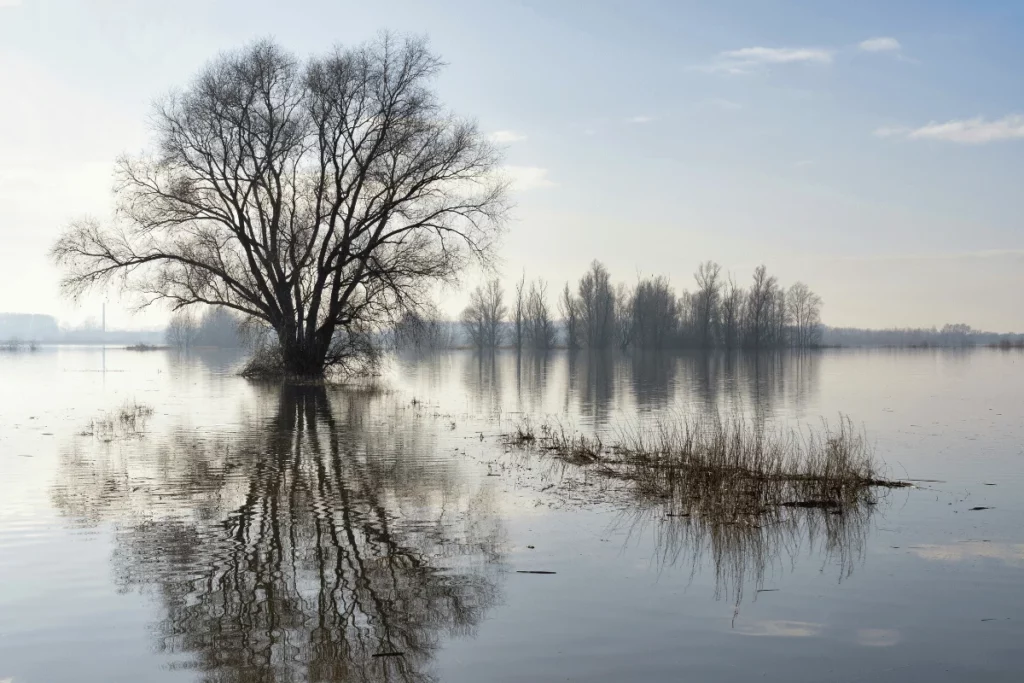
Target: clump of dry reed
(831,466)
(729,468)
(523,433)
(128,421)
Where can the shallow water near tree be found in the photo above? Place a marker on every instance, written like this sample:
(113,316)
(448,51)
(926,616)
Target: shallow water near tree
(252,532)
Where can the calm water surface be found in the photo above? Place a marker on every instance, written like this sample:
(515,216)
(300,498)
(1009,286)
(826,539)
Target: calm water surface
(251,533)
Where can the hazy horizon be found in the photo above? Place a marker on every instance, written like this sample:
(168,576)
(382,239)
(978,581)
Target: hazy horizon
(868,150)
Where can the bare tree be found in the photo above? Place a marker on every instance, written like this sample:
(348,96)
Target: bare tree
(323,198)
(732,314)
(182,329)
(623,318)
(569,308)
(760,302)
(780,320)
(707,301)
(805,315)
(687,307)
(655,314)
(539,326)
(519,313)
(484,315)
(597,307)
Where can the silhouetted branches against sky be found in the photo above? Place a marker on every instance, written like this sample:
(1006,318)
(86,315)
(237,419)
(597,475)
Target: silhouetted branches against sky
(322,197)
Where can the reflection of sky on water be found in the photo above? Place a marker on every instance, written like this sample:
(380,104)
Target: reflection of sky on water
(186,537)
(1009,553)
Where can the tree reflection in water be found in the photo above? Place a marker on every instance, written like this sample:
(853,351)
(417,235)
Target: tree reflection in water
(303,547)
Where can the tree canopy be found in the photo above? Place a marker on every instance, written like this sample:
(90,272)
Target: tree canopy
(320,197)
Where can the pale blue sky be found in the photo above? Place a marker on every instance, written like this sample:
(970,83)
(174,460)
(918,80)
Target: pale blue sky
(871,149)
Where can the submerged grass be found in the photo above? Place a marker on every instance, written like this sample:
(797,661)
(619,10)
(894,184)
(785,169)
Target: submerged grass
(128,421)
(742,494)
(730,469)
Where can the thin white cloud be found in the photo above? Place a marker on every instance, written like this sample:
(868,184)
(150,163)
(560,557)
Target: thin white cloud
(880,44)
(8,3)
(524,178)
(639,119)
(803,163)
(721,103)
(505,137)
(749,59)
(976,131)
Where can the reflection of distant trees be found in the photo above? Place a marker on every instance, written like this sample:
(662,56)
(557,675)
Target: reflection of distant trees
(652,377)
(532,370)
(482,380)
(597,384)
(764,383)
(301,549)
(592,384)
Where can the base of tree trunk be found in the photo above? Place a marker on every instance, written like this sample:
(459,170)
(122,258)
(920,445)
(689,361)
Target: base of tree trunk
(270,363)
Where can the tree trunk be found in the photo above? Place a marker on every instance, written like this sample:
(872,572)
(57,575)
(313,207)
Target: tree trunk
(302,357)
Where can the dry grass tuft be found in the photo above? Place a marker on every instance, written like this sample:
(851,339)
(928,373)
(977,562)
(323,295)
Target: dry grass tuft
(523,433)
(126,422)
(730,469)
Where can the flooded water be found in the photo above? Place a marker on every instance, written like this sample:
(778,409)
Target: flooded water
(253,533)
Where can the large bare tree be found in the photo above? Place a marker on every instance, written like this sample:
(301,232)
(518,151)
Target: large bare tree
(321,197)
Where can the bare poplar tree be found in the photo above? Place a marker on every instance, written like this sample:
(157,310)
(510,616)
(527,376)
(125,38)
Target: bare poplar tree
(780,319)
(569,308)
(687,306)
(323,198)
(655,314)
(623,317)
(805,315)
(707,301)
(760,301)
(539,327)
(597,307)
(484,315)
(519,313)
(732,314)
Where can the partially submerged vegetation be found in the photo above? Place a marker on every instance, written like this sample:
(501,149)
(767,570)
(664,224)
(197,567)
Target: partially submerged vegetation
(142,346)
(726,467)
(14,345)
(126,422)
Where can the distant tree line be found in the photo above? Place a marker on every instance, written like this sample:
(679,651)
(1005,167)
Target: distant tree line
(596,313)
(949,335)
